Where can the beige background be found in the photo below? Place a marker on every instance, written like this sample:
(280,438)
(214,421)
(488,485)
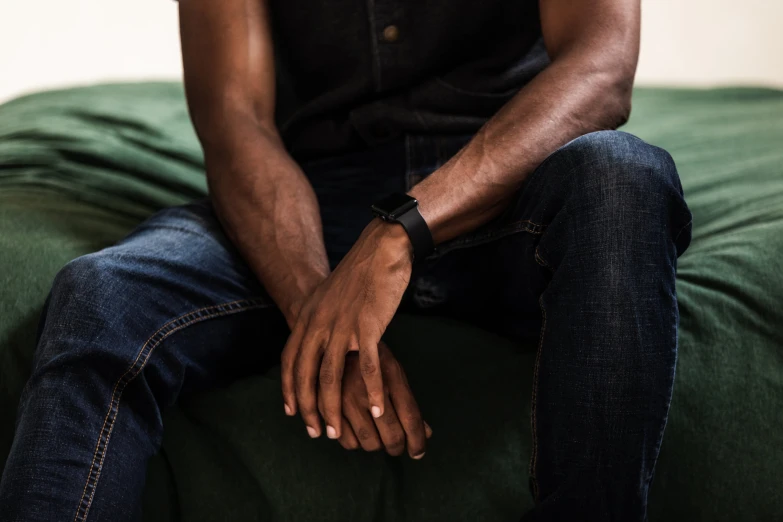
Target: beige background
(50,43)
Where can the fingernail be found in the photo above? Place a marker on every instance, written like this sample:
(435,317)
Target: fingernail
(312,432)
(331,432)
(376,411)
(419,456)
(288,410)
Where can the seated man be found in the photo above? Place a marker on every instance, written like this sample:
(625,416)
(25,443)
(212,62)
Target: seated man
(480,133)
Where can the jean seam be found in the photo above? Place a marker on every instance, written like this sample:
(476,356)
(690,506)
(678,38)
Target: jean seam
(533,398)
(179,323)
(522,225)
(541,261)
(686,225)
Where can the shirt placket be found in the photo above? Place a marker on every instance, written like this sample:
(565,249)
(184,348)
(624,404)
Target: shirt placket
(385,18)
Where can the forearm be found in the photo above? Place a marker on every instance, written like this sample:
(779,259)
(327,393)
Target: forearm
(577,94)
(269,210)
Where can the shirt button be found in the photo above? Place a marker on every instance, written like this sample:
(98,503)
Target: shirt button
(391,33)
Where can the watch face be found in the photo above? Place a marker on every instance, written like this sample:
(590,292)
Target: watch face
(394,205)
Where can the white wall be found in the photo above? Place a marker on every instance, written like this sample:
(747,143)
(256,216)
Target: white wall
(709,42)
(50,43)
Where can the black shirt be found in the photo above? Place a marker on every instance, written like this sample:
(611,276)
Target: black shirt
(356,73)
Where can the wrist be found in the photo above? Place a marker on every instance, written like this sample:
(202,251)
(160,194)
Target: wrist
(393,242)
(291,311)
(298,292)
(402,209)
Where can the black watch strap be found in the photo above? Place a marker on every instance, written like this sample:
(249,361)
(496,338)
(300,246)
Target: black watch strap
(418,232)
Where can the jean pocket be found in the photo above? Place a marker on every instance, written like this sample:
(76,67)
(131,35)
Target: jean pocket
(492,231)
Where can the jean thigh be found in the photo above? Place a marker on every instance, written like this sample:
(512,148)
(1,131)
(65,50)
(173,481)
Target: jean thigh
(489,279)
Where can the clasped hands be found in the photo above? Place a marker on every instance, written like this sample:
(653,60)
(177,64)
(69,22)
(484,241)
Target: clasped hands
(335,366)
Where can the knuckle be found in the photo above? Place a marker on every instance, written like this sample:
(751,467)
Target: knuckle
(416,449)
(349,444)
(415,423)
(302,379)
(332,413)
(363,434)
(308,411)
(327,376)
(371,445)
(368,367)
(396,446)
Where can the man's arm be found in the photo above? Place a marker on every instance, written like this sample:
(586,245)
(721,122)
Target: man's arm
(261,196)
(594,46)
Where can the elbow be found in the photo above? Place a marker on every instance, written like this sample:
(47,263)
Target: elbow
(617,101)
(623,104)
(625,95)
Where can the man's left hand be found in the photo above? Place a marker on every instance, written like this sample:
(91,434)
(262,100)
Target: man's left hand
(349,311)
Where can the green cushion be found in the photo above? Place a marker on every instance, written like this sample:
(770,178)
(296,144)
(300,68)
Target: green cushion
(79,168)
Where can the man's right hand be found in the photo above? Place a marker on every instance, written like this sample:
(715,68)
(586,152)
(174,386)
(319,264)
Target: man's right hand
(399,428)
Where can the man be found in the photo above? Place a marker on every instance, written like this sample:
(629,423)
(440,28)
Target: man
(495,118)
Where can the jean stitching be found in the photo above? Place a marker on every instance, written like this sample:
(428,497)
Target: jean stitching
(533,398)
(522,225)
(183,321)
(682,230)
(534,447)
(540,260)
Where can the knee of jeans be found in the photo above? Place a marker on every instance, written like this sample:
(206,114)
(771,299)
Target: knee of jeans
(85,282)
(617,175)
(85,306)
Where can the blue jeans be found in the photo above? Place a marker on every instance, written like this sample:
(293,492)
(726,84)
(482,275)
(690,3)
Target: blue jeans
(582,263)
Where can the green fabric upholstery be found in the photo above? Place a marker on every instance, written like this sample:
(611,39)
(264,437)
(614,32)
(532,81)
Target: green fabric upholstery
(79,168)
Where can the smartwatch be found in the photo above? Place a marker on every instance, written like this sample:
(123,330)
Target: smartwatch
(403,209)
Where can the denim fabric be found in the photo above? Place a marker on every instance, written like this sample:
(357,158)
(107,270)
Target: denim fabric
(582,263)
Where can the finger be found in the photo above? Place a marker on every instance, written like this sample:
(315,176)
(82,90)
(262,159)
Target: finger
(348,438)
(305,372)
(407,410)
(371,374)
(287,363)
(427,430)
(390,430)
(330,384)
(363,427)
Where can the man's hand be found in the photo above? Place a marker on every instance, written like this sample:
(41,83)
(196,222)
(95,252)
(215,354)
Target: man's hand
(400,426)
(349,311)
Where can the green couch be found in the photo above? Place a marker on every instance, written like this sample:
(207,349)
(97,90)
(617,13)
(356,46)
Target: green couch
(79,168)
